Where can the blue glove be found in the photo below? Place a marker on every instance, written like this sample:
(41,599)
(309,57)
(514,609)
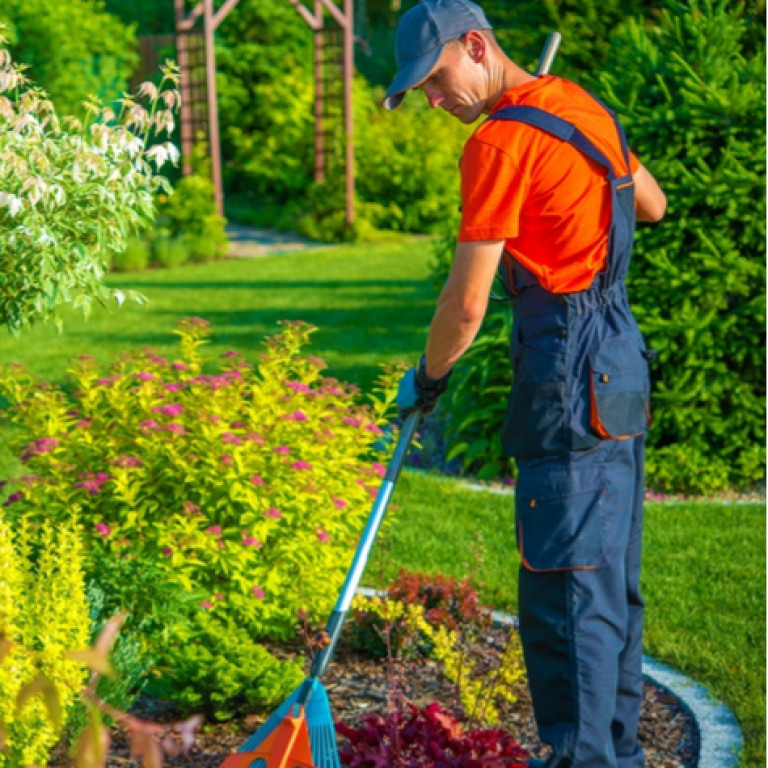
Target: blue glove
(418,392)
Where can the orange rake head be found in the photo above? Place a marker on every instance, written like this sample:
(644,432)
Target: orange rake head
(286,747)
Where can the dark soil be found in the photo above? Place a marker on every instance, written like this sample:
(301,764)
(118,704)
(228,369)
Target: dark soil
(357,684)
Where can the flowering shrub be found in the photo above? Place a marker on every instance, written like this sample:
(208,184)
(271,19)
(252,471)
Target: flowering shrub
(243,489)
(43,616)
(72,193)
(426,738)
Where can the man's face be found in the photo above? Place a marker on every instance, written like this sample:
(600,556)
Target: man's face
(457,84)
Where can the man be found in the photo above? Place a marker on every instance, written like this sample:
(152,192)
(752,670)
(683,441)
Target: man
(550,195)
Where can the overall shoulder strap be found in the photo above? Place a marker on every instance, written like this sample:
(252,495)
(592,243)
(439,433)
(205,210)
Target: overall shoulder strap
(564,130)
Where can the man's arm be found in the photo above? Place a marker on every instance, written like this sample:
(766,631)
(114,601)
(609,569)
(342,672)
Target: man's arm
(462,304)
(650,201)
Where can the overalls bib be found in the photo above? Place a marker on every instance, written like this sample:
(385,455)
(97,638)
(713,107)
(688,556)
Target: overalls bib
(576,420)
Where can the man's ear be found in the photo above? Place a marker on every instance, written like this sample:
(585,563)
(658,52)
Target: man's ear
(477,47)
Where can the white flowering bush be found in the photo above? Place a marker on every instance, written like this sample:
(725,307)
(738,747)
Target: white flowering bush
(71,192)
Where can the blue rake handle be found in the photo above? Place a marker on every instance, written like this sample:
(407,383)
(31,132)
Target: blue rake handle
(336,621)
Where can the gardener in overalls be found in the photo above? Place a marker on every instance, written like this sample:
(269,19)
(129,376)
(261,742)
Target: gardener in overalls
(550,195)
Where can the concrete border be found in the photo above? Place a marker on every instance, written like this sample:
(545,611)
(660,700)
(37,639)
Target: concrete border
(718,730)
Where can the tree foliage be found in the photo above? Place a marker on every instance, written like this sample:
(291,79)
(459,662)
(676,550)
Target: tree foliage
(75,50)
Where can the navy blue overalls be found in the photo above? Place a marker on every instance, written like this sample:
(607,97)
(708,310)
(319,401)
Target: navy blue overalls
(576,424)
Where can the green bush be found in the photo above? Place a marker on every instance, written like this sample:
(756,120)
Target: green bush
(43,617)
(188,215)
(169,251)
(134,258)
(693,103)
(245,488)
(75,50)
(215,667)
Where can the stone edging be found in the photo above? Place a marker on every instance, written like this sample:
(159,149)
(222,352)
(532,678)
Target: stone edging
(720,738)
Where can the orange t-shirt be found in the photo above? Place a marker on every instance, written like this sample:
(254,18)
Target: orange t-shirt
(548,200)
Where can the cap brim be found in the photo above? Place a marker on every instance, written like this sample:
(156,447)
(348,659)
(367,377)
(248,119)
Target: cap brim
(410,76)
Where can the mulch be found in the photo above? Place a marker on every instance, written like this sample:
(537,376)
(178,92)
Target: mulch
(358,684)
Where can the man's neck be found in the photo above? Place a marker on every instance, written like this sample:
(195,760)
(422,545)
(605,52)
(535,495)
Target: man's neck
(504,74)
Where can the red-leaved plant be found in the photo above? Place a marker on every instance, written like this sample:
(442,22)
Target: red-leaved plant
(426,738)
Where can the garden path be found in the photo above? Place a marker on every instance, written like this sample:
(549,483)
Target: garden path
(250,242)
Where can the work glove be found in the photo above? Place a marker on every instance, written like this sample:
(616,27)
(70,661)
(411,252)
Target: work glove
(418,392)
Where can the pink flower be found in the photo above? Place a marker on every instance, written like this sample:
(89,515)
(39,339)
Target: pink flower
(252,541)
(229,354)
(272,512)
(207,604)
(352,422)
(167,552)
(255,437)
(238,425)
(174,409)
(18,496)
(257,480)
(335,391)
(93,483)
(177,429)
(42,445)
(318,362)
(214,530)
(219,596)
(228,437)
(159,361)
(379,469)
(109,380)
(301,465)
(374,429)
(147,426)
(191,509)
(323,536)
(298,386)
(144,376)
(227,459)
(258,592)
(283,450)
(173,386)
(339,503)
(103,530)
(180,366)
(83,424)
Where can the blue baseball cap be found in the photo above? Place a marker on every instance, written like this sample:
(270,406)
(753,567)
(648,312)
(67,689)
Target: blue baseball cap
(422,34)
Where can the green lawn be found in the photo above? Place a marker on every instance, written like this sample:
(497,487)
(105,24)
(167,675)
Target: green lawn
(704,574)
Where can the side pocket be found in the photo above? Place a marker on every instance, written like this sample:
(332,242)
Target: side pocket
(561,533)
(534,423)
(619,390)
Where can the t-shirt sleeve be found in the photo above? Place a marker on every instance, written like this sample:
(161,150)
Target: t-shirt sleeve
(492,193)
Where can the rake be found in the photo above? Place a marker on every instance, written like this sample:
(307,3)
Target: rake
(300,733)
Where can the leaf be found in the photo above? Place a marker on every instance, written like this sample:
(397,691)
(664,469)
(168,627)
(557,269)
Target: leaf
(5,646)
(93,744)
(97,658)
(41,685)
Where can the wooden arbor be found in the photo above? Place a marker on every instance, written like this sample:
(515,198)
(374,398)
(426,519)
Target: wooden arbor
(334,66)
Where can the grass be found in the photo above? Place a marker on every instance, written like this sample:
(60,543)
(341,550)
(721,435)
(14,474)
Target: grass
(704,576)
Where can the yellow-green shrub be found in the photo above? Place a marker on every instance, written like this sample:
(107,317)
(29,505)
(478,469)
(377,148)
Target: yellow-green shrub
(43,615)
(480,690)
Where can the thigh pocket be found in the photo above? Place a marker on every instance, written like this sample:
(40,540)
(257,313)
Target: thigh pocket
(619,390)
(556,533)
